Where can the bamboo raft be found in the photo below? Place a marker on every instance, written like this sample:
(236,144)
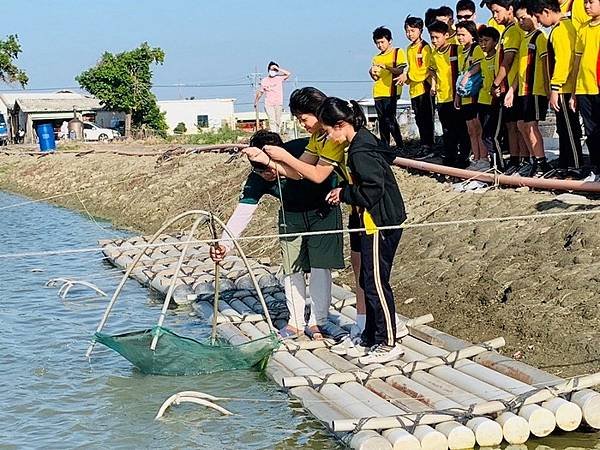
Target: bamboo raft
(443,393)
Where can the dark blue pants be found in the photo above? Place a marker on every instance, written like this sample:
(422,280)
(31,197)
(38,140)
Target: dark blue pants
(375,271)
(388,123)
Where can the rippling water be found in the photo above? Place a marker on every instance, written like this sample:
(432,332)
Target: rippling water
(51,396)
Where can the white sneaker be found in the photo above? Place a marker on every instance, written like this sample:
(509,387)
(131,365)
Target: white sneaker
(353,348)
(381,354)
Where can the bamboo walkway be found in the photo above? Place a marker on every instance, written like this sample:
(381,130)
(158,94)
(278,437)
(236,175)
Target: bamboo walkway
(443,393)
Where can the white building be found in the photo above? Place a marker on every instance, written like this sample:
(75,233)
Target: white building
(198,114)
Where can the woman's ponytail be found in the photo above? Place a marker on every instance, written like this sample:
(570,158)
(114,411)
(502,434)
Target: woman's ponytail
(334,110)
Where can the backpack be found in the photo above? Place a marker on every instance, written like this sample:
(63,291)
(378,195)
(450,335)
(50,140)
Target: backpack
(475,82)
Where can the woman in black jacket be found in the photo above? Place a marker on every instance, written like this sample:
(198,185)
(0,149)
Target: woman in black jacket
(375,191)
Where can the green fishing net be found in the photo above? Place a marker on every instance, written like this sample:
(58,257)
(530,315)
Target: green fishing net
(179,355)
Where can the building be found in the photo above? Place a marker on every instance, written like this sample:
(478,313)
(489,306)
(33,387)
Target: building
(26,110)
(202,114)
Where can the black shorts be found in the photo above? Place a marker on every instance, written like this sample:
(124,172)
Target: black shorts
(354,222)
(533,108)
(469,111)
(511,114)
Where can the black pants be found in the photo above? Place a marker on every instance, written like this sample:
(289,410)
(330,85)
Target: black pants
(375,270)
(457,144)
(388,124)
(589,107)
(489,116)
(569,134)
(423,108)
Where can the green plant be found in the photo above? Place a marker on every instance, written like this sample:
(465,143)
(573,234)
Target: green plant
(224,135)
(123,82)
(180,128)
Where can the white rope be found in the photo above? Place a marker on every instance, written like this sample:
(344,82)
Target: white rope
(322,233)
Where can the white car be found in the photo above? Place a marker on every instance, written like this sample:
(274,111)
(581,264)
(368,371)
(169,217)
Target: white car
(92,132)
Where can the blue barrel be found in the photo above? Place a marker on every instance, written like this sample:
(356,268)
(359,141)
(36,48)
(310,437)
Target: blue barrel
(45,132)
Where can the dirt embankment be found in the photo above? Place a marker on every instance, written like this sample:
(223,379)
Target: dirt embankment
(537,283)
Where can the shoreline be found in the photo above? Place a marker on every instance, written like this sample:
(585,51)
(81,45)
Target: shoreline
(535,283)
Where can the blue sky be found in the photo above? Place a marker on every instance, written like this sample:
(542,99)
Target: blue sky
(210,42)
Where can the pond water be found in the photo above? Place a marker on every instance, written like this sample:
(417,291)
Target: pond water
(53,397)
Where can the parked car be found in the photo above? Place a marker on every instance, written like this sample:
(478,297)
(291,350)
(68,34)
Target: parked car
(92,132)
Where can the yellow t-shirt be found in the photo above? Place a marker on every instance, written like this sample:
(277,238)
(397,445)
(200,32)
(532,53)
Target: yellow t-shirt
(561,53)
(488,72)
(588,47)
(492,23)
(510,42)
(534,49)
(419,60)
(467,58)
(445,66)
(330,152)
(385,86)
(576,10)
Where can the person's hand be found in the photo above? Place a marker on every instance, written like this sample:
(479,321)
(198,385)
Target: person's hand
(496,91)
(509,100)
(433,91)
(573,103)
(401,79)
(333,198)
(256,155)
(457,102)
(465,79)
(554,101)
(217,252)
(276,153)
(268,174)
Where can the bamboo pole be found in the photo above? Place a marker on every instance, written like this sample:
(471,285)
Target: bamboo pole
(382,372)
(542,421)
(490,407)
(587,399)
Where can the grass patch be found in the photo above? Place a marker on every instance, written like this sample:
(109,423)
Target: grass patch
(224,135)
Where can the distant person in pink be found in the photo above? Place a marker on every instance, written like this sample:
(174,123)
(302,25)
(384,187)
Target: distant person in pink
(272,88)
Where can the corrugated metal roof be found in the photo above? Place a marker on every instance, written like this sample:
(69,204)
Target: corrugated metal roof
(31,105)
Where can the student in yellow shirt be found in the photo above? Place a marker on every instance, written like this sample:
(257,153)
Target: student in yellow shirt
(491,21)
(561,56)
(587,91)
(470,56)
(506,74)
(530,90)
(417,78)
(446,15)
(488,106)
(444,73)
(575,9)
(389,63)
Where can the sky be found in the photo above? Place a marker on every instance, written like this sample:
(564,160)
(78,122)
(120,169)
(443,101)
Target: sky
(324,43)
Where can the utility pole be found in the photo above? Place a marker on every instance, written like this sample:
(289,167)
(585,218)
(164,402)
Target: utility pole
(255,77)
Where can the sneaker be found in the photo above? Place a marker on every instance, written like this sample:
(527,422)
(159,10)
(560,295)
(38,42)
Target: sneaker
(511,170)
(483,165)
(354,348)
(381,354)
(526,170)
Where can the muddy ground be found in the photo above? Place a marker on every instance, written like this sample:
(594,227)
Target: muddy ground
(537,283)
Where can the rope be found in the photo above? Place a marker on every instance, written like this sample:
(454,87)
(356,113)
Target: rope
(403,226)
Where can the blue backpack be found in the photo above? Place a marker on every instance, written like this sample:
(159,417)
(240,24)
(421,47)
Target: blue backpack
(475,82)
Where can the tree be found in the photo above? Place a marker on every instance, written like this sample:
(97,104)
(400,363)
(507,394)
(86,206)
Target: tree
(123,81)
(9,51)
